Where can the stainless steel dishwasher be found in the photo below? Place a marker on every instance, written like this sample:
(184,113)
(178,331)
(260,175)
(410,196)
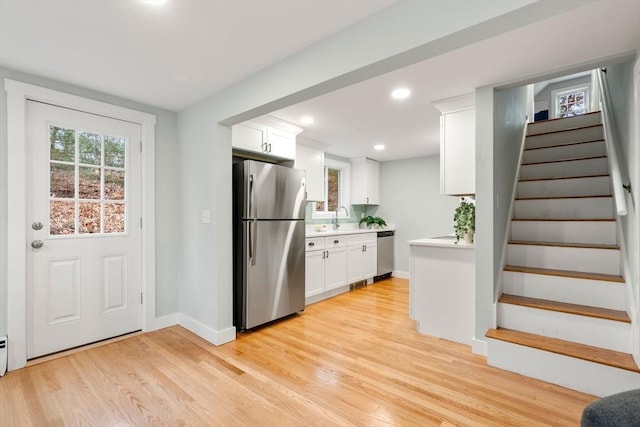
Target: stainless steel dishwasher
(385,254)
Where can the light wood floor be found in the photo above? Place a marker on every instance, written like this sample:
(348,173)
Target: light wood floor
(352,360)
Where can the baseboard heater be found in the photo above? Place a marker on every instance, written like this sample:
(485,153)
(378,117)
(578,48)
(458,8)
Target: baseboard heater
(3,355)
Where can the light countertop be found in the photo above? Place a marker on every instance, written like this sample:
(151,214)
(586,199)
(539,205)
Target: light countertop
(341,231)
(442,242)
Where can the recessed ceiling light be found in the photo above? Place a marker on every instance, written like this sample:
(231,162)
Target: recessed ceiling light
(378,147)
(155,2)
(306,120)
(401,93)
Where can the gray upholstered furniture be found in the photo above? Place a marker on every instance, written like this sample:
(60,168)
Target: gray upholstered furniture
(618,410)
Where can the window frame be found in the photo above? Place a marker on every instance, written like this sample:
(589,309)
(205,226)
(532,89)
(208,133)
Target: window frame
(556,94)
(345,182)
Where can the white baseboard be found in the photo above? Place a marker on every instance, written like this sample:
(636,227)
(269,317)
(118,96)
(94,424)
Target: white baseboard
(401,274)
(166,321)
(203,331)
(479,347)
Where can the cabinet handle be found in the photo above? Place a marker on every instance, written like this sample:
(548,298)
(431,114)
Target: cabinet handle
(324,253)
(363,248)
(367,200)
(269,147)
(335,242)
(311,244)
(327,254)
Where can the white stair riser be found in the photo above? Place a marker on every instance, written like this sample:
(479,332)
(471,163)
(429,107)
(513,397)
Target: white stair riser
(592,186)
(567,137)
(599,232)
(587,377)
(573,168)
(565,152)
(594,293)
(588,260)
(567,123)
(589,208)
(587,330)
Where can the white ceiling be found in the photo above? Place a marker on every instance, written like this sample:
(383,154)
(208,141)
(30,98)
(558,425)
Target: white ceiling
(170,55)
(353,119)
(173,55)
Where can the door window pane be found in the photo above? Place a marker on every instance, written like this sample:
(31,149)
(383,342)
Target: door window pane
(62,144)
(113,185)
(89,183)
(114,149)
(114,218)
(62,218)
(62,181)
(89,217)
(90,148)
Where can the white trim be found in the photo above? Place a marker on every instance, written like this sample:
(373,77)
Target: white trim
(203,331)
(480,347)
(166,321)
(345,186)
(401,274)
(17,95)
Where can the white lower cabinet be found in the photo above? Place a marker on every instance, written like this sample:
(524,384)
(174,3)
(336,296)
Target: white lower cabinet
(326,264)
(362,259)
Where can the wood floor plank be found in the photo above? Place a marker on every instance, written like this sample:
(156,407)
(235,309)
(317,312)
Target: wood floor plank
(353,360)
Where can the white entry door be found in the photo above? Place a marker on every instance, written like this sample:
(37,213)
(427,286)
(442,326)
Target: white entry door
(84,272)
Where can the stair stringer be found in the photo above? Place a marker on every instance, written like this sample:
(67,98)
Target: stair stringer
(631,308)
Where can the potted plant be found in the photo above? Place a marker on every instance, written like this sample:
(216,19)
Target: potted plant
(373,220)
(464,220)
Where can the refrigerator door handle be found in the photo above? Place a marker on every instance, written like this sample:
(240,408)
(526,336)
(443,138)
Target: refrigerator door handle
(252,237)
(252,196)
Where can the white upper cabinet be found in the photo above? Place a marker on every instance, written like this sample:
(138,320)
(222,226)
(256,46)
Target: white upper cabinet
(457,145)
(311,160)
(365,182)
(266,135)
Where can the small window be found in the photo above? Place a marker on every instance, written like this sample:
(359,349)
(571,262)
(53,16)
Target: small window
(571,102)
(336,190)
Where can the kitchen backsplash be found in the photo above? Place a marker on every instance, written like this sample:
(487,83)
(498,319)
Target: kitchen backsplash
(355,213)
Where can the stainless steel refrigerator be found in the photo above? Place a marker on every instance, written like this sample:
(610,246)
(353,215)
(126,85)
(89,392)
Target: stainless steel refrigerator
(269,232)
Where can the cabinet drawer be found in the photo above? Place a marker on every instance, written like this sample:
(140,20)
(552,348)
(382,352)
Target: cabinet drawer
(363,238)
(314,243)
(335,242)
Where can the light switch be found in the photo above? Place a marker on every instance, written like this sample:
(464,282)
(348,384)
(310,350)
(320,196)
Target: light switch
(206,216)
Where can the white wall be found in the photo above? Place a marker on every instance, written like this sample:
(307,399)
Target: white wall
(620,80)
(500,118)
(361,51)
(410,198)
(168,237)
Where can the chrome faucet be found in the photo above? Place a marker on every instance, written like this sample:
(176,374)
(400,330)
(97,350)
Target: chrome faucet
(336,224)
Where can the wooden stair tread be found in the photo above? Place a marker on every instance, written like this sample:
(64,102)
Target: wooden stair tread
(562,145)
(589,353)
(565,273)
(566,219)
(554,119)
(565,177)
(598,196)
(563,307)
(565,245)
(565,130)
(564,160)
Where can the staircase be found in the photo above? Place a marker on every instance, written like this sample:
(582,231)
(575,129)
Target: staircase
(562,315)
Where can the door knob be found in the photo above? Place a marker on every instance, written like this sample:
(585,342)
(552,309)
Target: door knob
(37,244)
(37,225)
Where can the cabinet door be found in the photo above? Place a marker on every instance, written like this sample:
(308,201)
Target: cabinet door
(457,153)
(314,273)
(312,161)
(281,143)
(249,136)
(354,263)
(370,259)
(373,182)
(335,267)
